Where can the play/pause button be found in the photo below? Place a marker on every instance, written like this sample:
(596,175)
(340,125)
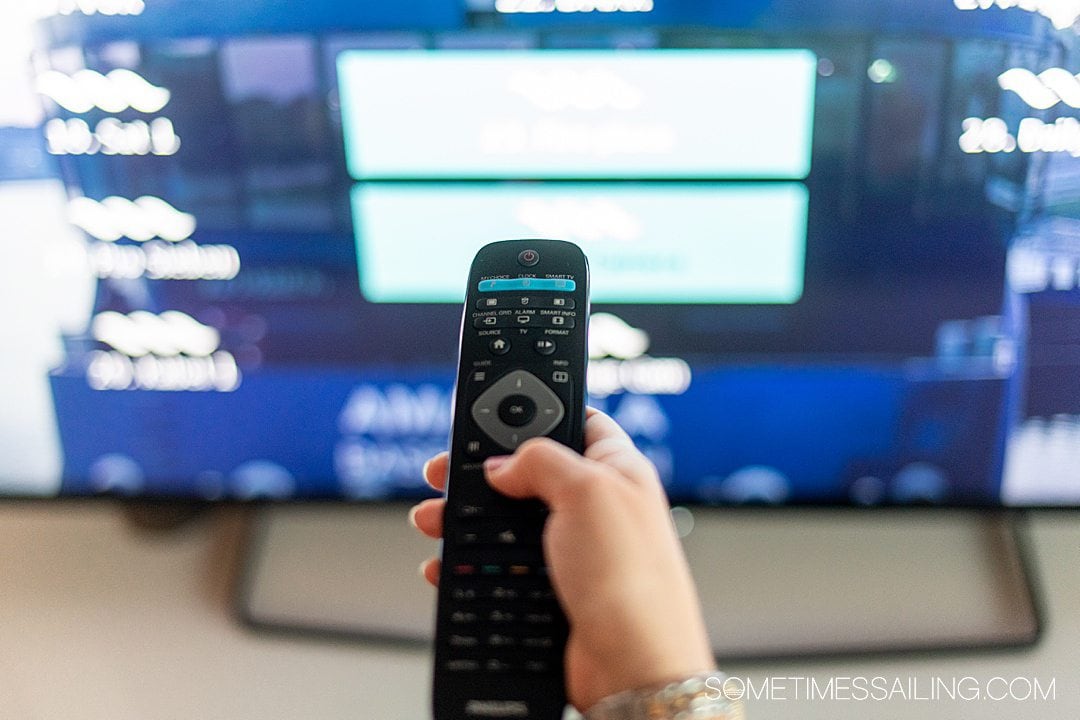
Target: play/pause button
(545,346)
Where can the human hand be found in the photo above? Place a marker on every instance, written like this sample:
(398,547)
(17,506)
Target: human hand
(615,562)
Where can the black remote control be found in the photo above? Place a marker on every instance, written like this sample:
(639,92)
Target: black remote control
(500,634)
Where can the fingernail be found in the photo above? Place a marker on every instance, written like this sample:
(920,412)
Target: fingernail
(495,462)
(422,566)
(423,470)
(412,515)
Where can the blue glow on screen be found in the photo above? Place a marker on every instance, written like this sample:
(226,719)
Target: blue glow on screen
(900,342)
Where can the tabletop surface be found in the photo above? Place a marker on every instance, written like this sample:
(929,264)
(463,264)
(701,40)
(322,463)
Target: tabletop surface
(100,620)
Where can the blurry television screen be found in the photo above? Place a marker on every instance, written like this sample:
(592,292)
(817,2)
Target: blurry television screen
(834,244)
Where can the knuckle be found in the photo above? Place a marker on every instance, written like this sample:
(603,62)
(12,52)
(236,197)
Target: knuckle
(535,449)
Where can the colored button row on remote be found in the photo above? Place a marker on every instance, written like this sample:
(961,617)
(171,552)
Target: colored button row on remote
(492,569)
(533,284)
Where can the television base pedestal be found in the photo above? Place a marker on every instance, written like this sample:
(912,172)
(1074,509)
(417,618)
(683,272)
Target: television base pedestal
(774,583)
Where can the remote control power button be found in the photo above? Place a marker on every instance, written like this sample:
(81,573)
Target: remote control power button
(499,346)
(517,410)
(528,258)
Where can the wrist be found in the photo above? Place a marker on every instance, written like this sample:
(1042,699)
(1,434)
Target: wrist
(700,695)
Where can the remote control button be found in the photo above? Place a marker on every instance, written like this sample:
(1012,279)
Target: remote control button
(462,665)
(538,643)
(496,665)
(468,537)
(474,448)
(545,346)
(464,569)
(463,594)
(463,641)
(529,301)
(507,537)
(500,506)
(491,569)
(528,258)
(517,410)
(501,616)
(499,346)
(558,321)
(462,617)
(499,640)
(537,666)
(539,618)
(487,321)
(560,376)
(504,593)
(519,569)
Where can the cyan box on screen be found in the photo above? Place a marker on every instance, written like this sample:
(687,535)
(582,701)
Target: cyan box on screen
(701,114)
(646,242)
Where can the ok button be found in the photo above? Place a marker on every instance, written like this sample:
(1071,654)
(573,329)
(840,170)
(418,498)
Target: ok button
(517,410)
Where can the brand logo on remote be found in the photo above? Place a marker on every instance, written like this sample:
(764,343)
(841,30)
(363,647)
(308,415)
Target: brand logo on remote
(497,708)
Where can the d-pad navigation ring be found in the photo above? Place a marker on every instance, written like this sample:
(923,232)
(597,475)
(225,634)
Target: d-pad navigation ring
(549,410)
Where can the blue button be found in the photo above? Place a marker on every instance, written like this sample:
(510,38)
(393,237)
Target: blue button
(531,284)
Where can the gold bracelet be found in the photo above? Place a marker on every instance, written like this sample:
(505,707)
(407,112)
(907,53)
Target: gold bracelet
(704,696)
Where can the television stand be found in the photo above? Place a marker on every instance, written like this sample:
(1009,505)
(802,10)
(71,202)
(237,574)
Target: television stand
(774,582)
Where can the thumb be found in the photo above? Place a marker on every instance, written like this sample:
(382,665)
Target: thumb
(541,468)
